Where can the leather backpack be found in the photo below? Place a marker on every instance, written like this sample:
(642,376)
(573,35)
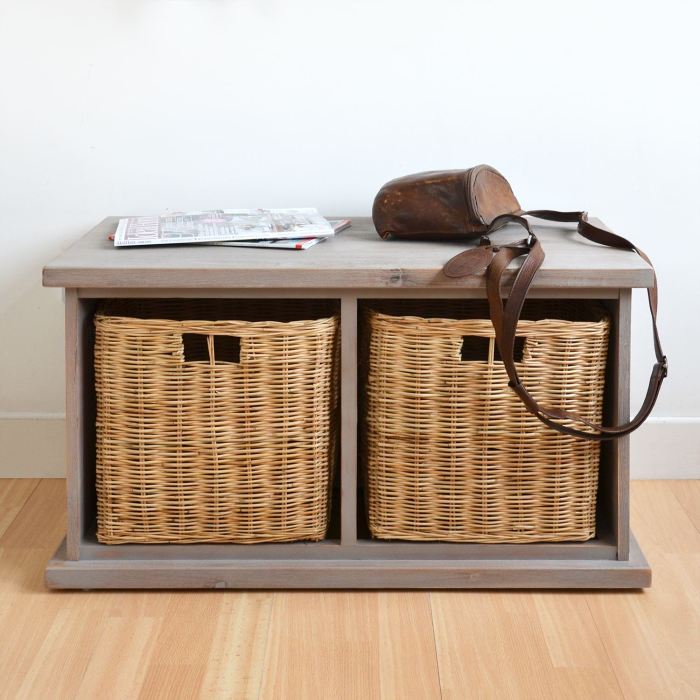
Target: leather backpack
(473,203)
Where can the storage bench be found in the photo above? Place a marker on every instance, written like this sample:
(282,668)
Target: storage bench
(354,270)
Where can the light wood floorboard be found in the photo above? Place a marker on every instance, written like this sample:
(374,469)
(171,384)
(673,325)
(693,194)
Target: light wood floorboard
(451,644)
(653,638)
(688,494)
(13,495)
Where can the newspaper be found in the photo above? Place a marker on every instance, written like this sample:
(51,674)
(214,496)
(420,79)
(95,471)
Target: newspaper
(221,225)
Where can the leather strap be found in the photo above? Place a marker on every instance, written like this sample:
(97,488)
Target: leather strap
(505,316)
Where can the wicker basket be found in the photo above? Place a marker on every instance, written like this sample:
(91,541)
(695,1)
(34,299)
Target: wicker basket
(450,452)
(214,430)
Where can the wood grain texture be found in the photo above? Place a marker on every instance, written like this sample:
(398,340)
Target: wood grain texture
(235,670)
(351,645)
(579,662)
(60,675)
(348,418)
(653,639)
(354,258)
(622,349)
(688,494)
(271,292)
(75,467)
(14,493)
(27,615)
(371,644)
(178,664)
(601,548)
(518,645)
(119,657)
(40,523)
(348,573)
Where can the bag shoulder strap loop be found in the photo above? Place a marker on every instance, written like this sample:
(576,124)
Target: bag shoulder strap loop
(505,316)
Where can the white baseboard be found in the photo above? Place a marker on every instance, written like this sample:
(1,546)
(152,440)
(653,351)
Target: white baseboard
(666,448)
(33,445)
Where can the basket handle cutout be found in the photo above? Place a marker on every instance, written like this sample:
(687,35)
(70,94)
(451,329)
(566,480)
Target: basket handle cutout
(476,348)
(199,347)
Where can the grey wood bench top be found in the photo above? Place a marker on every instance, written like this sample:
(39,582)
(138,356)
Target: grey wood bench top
(355,258)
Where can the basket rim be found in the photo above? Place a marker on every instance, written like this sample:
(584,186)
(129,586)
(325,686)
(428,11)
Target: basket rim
(171,324)
(381,317)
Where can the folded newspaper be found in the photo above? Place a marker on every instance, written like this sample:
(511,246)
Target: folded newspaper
(222,225)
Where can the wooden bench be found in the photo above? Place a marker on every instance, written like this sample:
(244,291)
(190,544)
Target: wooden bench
(354,266)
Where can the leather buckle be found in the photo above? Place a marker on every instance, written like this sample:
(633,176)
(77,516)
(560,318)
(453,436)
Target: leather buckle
(664,367)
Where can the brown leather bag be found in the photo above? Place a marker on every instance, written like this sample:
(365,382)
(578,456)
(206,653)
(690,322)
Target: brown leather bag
(473,203)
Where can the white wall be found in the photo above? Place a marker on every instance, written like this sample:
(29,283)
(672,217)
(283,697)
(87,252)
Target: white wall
(137,106)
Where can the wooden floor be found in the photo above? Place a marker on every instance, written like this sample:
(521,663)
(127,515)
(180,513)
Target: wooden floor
(307,645)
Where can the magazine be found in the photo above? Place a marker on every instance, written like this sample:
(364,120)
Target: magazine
(221,225)
(290,243)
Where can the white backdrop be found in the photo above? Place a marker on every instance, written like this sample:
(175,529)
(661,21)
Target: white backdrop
(138,106)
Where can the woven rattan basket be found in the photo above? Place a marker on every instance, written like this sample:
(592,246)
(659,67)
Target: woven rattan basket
(215,430)
(450,452)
